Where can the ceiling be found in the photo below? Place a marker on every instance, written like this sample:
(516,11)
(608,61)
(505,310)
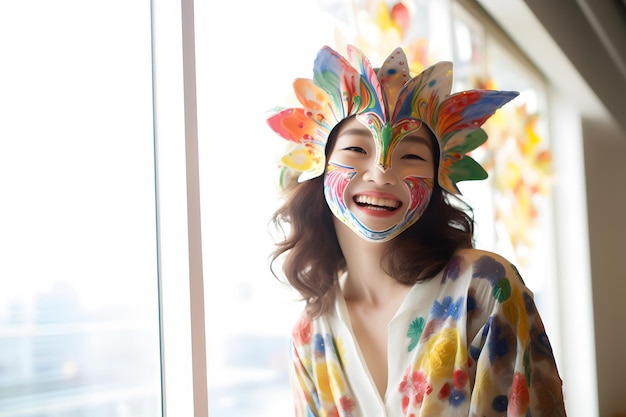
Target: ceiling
(592,34)
(579,45)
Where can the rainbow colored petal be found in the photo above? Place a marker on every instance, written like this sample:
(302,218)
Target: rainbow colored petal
(391,104)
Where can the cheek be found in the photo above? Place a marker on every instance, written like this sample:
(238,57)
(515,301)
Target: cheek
(336,181)
(420,190)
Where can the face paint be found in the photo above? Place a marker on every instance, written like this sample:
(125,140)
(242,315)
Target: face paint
(379,201)
(336,181)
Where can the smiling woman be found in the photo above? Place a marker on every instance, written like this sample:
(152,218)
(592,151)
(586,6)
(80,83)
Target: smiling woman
(373,277)
(239,80)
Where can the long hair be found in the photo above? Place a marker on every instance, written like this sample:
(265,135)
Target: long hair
(312,257)
(313,260)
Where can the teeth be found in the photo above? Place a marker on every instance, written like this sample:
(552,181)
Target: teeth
(375,201)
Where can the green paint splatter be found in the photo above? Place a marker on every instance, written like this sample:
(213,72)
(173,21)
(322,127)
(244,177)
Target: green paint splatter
(415,331)
(502,290)
(527,368)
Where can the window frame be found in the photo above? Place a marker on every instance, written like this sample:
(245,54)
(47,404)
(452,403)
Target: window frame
(179,247)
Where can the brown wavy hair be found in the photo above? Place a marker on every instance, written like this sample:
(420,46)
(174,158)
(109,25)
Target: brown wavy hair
(312,260)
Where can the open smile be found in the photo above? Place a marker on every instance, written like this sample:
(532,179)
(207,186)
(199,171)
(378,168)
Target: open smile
(377,203)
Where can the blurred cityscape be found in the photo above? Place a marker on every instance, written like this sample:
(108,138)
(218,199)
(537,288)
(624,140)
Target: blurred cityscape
(252,378)
(57,360)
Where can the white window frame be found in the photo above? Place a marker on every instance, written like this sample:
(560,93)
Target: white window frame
(183,343)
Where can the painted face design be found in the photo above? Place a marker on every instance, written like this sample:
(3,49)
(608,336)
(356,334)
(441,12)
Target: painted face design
(378,205)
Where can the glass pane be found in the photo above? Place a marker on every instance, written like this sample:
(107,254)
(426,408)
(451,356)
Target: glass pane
(79,329)
(249,314)
(518,158)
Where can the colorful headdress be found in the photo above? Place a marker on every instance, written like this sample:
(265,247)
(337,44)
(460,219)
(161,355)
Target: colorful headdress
(391,104)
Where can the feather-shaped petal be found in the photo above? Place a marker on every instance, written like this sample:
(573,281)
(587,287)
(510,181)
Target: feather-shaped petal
(306,158)
(422,95)
(316,102)
(469,109)
(393,75)
(466,169)
(466,140)
(334,74)
(456,167)
(371,91)
(294,124)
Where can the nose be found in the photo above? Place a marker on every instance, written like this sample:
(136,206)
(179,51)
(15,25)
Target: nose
(376,174)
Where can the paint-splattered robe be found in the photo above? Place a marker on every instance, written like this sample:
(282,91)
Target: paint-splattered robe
(468,342)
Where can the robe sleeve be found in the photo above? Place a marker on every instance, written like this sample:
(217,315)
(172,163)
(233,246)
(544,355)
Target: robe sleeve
(516,373)
(304,392)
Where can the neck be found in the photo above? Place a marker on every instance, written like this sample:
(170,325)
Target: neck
(366,281)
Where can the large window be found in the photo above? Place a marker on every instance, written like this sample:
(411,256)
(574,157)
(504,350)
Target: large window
(91,268)
(79,316)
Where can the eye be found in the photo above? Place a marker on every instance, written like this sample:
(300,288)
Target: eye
(355,149)
(413,156)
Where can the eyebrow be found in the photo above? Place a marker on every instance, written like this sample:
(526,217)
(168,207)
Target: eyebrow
(355,131)
(419,139)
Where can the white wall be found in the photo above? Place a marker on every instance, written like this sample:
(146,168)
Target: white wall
(605,149)
(588,87)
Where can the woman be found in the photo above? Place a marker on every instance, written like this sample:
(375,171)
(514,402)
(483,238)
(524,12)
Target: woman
(403,316)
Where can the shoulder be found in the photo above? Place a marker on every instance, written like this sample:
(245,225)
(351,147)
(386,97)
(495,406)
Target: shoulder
(302,330)
(306,331)
(314,338)
(485,266)
(494,288)
(471,255)
(483,263)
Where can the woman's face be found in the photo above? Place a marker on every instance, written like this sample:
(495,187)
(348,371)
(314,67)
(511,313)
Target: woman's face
(378,205)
